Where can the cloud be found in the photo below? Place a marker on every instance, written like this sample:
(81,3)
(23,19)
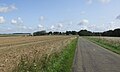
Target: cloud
(2,20)
(52,27)
(56,27)
(13,21)
(30,28)
(42,18)
(5,9)
(118,17)
(17,21)
(60,25)
(41,27)
(105,1)
(20,20)
(83,22)
(24,27)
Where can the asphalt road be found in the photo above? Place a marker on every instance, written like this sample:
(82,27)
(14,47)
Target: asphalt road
(90,57)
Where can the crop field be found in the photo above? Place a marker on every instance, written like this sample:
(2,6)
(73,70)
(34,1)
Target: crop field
(13,48)
(111,43)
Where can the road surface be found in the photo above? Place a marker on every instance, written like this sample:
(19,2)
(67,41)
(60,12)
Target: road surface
(90,57)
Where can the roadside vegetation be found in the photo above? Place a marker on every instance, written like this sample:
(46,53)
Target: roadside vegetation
(110,43)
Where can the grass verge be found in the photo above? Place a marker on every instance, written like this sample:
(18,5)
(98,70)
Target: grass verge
(56,62)
(114,47)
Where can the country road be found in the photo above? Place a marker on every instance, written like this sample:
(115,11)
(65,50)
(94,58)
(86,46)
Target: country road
(90,57)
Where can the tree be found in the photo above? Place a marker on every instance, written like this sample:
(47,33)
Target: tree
(68,32)
(56,33)
(74,33)
(50,33)
(39,33)
(116,32)
(84,33)
(107,33)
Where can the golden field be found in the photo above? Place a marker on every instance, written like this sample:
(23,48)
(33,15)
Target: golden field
(12,48)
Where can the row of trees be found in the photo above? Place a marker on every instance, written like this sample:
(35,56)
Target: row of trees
(115,33)
(38,33)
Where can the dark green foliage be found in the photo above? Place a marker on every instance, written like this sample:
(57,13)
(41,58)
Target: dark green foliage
(39,33)
(71,33)
(50,33)
(56,33)
(115,33)
(85,33)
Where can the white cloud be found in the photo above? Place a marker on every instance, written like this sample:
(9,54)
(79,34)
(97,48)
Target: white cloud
(2,20)
(52,27)
(13,21)
(105,1)
(17,21)
(83,22)
(20,20)
(5,9)
(114,24)
(40,26)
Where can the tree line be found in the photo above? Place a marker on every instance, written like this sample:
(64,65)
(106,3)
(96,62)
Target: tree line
(115,33)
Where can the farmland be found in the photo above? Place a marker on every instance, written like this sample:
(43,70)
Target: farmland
(13,50)
(110,43)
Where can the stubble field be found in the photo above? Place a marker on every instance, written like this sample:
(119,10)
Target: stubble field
(13,48)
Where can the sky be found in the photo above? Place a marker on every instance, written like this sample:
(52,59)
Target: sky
(58,15)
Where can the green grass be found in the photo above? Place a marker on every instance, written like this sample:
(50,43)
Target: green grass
(112,46)
(57,62)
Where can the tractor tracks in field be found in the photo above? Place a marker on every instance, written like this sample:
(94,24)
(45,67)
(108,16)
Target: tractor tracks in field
(26,43)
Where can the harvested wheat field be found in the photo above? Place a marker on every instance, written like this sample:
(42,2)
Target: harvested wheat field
(12,48)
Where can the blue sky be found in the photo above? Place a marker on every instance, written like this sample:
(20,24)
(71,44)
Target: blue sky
(58,15)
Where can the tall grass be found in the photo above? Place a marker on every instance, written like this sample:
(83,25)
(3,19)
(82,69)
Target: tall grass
(55,62)
(108,44)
